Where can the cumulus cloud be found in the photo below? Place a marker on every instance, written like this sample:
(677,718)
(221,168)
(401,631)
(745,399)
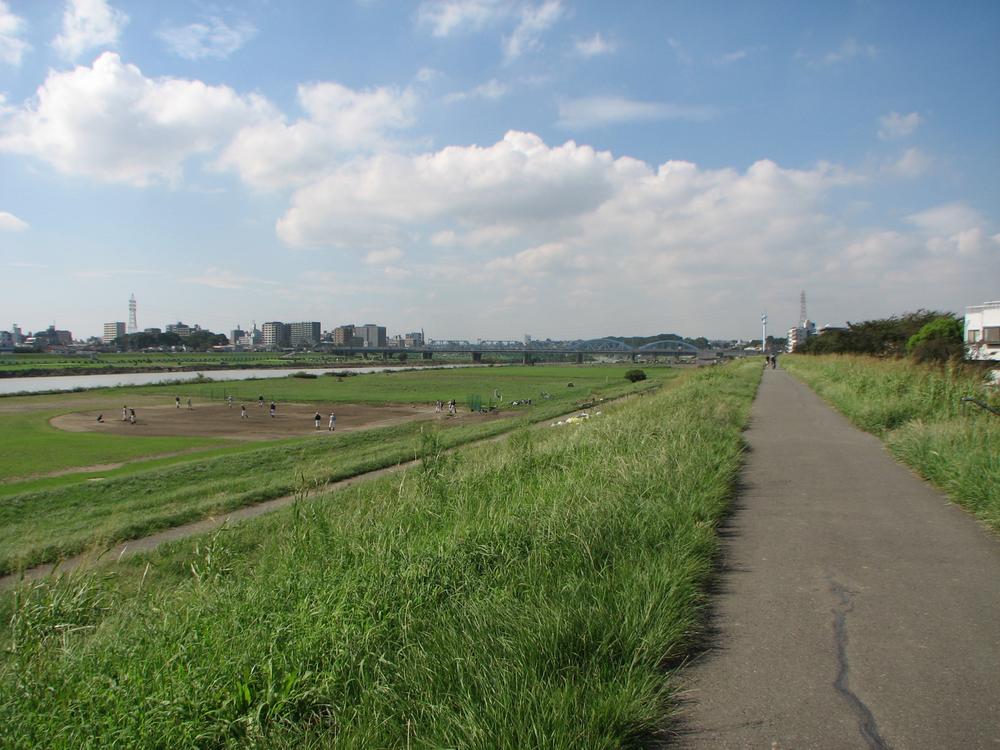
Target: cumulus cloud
(518,178)
(895,125)
(12,46)
(87,24)
(849,49)
(111,122)
(594,46)
(212,39)
(599,111)
(10,223)
(338,120)
(946,219)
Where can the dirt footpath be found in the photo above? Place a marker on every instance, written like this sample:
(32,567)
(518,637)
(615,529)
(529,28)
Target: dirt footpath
(219,420)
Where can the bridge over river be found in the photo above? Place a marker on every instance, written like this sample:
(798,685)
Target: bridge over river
(538,350)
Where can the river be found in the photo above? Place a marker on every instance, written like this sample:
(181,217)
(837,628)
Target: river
(73,382)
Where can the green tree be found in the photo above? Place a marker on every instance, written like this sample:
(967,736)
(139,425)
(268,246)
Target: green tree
(937,341)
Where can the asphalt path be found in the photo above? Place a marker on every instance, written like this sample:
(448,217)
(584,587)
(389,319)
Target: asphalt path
(856,607)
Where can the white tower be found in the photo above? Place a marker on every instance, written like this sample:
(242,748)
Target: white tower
(133,327)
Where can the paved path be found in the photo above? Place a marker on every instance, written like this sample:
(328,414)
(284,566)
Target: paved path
(858,608)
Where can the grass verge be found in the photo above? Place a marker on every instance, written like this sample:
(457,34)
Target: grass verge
(918,411)
(45,525)
(523,594)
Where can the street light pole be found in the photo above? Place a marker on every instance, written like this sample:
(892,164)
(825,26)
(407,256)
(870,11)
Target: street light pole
(763,333)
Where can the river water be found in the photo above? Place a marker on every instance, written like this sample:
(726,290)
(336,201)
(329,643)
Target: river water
(72,382)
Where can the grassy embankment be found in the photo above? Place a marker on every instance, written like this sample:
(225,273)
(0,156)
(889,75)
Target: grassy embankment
(47,522)
(917,410)
(30,446)
(523,594)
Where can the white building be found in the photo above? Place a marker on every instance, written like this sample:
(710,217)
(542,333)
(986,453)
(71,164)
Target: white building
(113,331)
(799,335)
(982,331)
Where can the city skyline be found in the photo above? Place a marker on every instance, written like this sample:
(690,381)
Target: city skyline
(490,168)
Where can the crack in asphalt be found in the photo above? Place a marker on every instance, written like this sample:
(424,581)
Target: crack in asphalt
(866,719)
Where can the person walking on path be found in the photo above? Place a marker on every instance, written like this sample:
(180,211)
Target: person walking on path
(260,401)
(273,409)
(243,411)
(124,413)
(317,419)
(189,403)
(131,416)
(333,422)
(177,401)
(229,401)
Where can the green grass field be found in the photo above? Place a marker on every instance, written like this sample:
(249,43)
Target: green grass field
(29,446)
(44,519)
(918,411)
(521,594)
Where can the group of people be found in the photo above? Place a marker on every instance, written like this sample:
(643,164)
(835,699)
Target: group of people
(332,425)
(452,408)
(128,415)
(771,359)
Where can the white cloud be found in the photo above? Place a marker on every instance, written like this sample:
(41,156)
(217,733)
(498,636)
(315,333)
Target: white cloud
(380,257)
(446,17)
(492,90)
(338,121)
(895,125)
(12,46)
(737,55)
(10,223)
(913,163)
(850,49)
(88,24)
(535,261)
(396,273)
(533,21)
(215,38)
(518,178)
(599,111)
(946,219)
(111,122)
(594,46)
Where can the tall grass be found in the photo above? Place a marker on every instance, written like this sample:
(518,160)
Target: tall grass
(524,594)
(918,411)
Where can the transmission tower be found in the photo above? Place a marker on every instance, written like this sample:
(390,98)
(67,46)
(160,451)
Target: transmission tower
(133,327)
(802,310)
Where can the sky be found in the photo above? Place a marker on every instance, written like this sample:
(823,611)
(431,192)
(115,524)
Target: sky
(495,168)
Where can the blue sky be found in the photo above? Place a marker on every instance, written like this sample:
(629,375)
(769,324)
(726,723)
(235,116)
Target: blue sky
(483,168)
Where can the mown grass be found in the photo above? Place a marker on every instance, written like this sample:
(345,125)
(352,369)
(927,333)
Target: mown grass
(918,411)
(522,594)
(44,525)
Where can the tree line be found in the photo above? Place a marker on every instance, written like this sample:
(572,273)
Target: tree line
(924,335)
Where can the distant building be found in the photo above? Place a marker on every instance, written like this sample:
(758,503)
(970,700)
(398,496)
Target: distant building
(412,340)
(181,329)
(237,335)
(799,335)
(303,334)
(6,340)
(16,334)
(982,331)
(153,331)
(113,331)
(372,335)
(275,335)
(343,335)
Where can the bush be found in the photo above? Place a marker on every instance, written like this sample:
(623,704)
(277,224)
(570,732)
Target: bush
(634,376)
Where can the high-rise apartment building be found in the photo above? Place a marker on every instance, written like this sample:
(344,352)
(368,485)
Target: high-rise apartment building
(113,331)
(276,335)
(343,335)
(303,334)
(371,334)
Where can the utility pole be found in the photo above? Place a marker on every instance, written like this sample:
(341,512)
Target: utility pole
(763,333)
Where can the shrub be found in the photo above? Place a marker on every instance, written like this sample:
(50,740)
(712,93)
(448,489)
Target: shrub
(634,376)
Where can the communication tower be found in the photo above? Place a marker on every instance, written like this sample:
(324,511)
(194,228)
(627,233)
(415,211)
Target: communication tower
(133,327)
(803,318)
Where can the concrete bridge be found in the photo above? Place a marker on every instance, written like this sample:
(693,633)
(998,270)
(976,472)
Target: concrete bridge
(539,350)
